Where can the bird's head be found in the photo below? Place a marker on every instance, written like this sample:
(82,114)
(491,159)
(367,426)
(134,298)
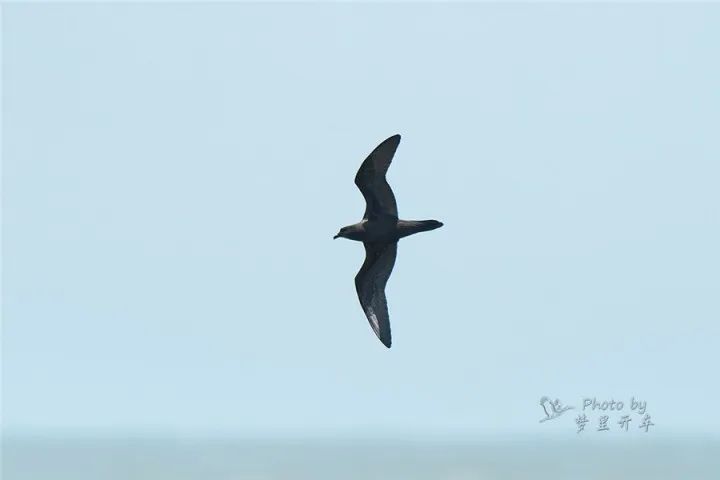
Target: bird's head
(353,232)
(343,233)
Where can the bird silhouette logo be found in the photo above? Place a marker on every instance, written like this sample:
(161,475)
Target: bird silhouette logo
(553,409)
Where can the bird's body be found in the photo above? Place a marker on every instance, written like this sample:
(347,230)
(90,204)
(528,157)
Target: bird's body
(380,230)
(388,229)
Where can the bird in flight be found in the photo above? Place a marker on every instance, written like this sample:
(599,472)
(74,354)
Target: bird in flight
(379,230)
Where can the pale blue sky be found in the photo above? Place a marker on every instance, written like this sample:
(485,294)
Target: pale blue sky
(173,176)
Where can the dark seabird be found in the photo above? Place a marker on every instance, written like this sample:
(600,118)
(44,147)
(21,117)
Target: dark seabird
(379,230)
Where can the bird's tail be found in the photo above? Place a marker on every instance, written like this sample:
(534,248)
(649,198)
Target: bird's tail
(409,227)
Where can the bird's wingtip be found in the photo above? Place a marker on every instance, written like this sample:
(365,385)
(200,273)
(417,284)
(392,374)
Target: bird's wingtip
(395,138)
(385,337)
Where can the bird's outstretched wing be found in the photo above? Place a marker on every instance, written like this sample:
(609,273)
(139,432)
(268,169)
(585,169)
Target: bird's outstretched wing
(370,179)
(370,284)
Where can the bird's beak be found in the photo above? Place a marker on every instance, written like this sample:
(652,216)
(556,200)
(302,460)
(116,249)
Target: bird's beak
(336,236)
